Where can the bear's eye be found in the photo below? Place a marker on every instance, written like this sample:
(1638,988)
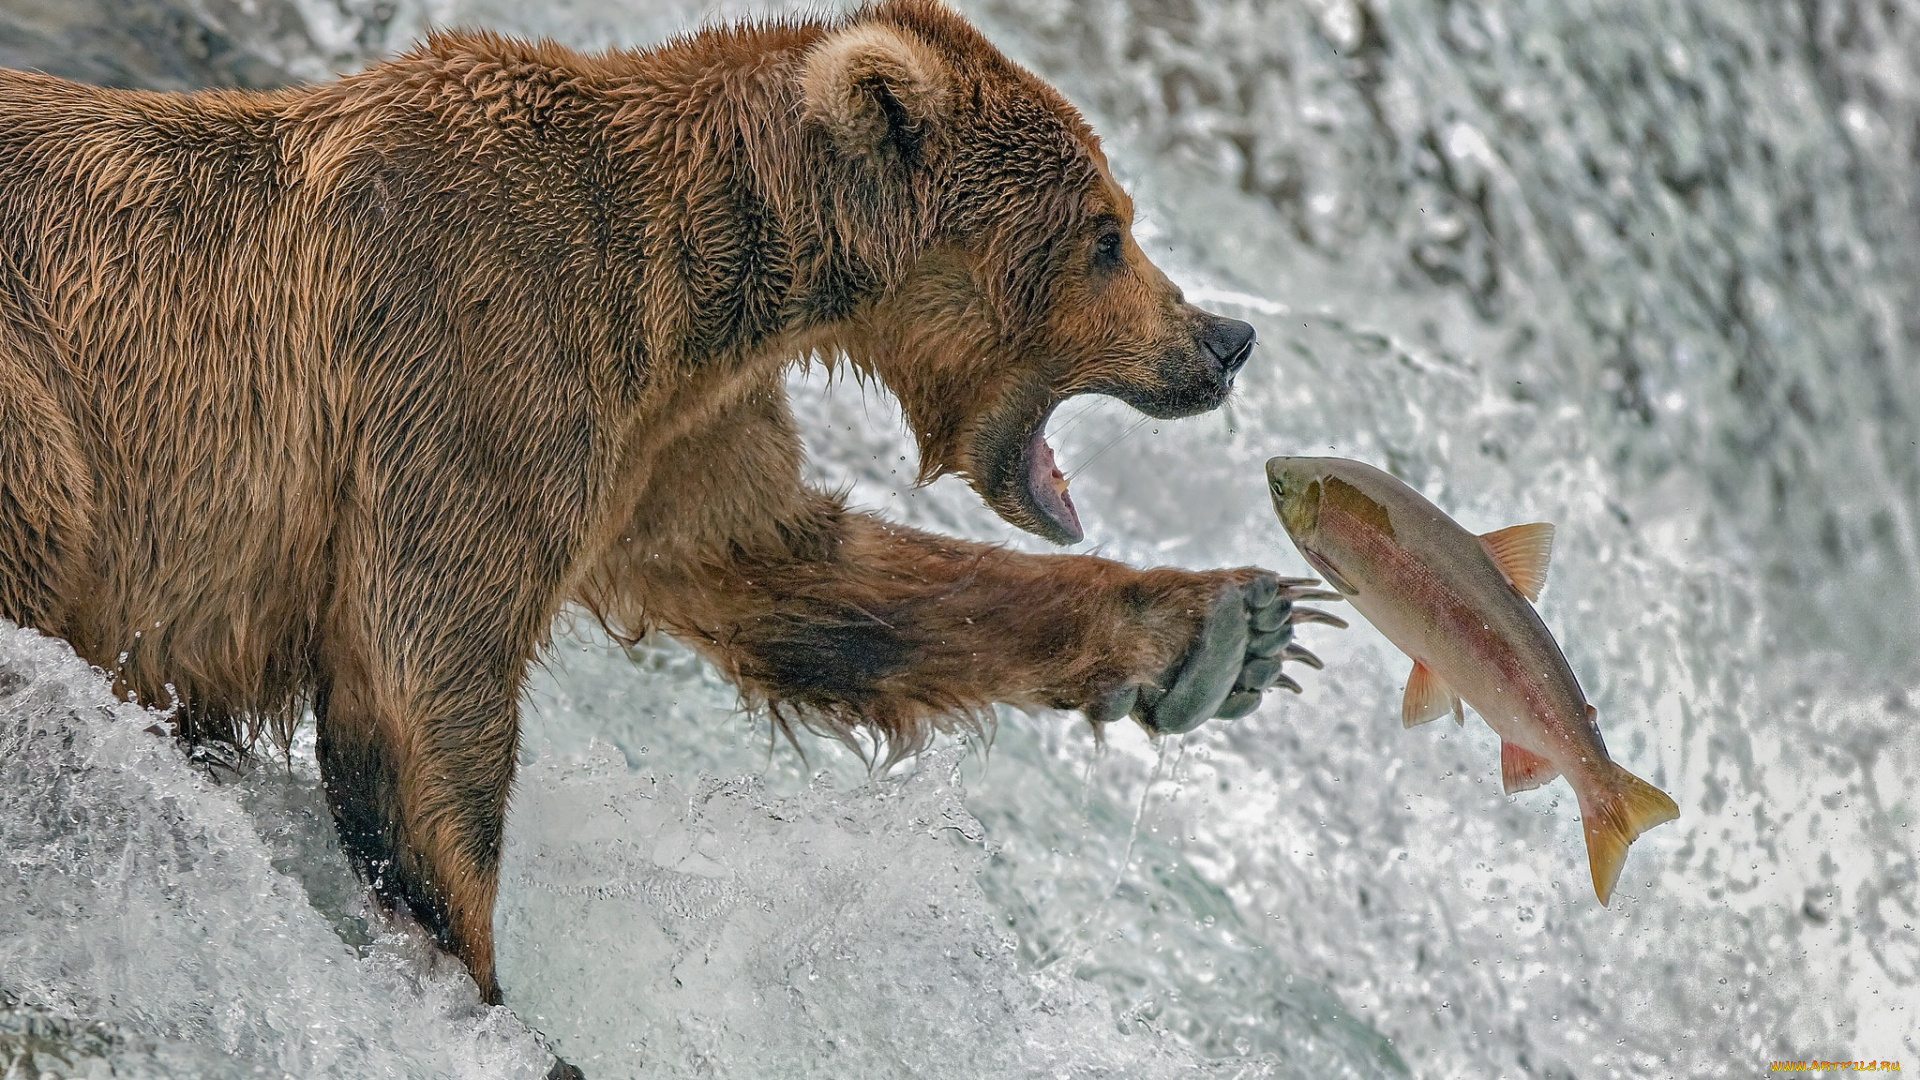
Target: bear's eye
(1106,250)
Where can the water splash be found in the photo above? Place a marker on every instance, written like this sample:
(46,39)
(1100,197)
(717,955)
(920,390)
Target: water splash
(148,925)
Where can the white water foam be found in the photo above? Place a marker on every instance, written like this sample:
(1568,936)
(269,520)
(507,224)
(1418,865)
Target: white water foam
(151,929)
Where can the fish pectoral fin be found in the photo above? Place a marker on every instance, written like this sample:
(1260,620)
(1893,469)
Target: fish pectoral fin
(1522,552)
(1522,769)
(1616,815)
(1427,697)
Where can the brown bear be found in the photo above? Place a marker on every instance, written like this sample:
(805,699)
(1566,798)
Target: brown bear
(334,397)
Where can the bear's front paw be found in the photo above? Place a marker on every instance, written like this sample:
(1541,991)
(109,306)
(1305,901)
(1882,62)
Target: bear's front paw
(1236,655)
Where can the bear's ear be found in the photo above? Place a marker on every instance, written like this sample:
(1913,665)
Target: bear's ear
(877,90)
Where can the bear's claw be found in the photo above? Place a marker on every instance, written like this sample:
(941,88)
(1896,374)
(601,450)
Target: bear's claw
(1237,655)
(1297,652)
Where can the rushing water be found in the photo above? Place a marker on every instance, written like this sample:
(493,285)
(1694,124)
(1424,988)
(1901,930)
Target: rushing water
(1644,270)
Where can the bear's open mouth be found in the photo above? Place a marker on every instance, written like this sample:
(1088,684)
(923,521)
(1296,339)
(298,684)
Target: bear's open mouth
(1013,468)
(1047,487)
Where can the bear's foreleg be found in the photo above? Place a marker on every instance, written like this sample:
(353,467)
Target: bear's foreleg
(418,727)
(857,622)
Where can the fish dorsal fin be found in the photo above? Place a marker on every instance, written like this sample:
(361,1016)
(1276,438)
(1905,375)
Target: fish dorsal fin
(1427,698)
(1522,769)
(1521,552)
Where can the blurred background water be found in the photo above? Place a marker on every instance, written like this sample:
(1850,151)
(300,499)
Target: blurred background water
(1644,270)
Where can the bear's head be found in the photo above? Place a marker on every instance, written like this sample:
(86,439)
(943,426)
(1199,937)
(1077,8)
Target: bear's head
(1011,279)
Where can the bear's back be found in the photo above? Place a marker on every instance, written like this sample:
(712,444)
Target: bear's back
(152,285)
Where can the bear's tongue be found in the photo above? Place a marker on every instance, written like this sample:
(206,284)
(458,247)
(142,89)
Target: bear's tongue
(1048,488)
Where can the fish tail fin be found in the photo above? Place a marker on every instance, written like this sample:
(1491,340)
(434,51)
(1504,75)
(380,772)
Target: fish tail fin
(1614,815)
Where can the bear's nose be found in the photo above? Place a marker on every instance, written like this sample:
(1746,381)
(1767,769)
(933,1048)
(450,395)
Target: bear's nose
(1228,341)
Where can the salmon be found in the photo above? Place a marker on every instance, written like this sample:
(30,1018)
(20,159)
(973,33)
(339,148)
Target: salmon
(1461,607)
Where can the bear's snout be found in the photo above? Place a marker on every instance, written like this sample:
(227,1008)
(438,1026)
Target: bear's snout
(1227,342)
(1195,374)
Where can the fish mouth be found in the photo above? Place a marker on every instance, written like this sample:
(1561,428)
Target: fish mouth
(1296,498)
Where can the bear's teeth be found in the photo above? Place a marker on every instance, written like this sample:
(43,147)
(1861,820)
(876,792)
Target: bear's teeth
(1047,487)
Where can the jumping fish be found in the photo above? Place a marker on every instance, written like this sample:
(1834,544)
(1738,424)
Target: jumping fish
(1460,606)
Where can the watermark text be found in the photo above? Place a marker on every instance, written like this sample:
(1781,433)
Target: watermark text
(1833,1066)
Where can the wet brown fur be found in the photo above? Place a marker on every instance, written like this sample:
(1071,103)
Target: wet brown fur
(336,396)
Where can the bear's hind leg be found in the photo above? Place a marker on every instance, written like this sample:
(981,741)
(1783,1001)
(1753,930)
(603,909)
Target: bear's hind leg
(46,501)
